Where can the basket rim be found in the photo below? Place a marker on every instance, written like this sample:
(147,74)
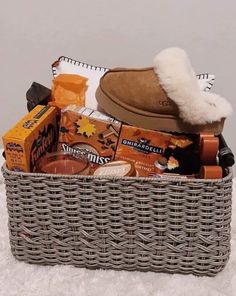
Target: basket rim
(175,179)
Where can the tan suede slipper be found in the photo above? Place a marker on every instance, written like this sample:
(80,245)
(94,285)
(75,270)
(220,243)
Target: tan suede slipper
(166,97)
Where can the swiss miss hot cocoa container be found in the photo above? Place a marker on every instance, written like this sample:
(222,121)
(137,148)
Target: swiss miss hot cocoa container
(84,130)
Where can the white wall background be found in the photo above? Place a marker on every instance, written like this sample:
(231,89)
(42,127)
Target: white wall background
(112,33)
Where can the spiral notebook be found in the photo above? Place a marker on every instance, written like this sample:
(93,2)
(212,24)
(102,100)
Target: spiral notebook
(65,65)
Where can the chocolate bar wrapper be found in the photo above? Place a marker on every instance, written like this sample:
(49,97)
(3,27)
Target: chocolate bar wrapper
(37,94)
(146,150)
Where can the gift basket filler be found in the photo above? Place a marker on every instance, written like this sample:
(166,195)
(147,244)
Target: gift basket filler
(122,168)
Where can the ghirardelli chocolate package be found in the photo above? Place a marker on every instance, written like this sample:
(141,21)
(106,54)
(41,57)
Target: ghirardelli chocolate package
(147,150)
(84,130)
(31,138)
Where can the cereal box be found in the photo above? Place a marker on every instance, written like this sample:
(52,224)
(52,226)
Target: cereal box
(30,138)
(84,130)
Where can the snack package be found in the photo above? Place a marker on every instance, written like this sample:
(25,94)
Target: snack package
(146,149)
(68,89)
(84,130)
(30,138)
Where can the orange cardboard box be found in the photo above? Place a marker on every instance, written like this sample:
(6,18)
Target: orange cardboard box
(30,138)
(83,130)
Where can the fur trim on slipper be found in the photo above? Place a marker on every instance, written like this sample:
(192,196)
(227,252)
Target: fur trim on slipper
(178,79)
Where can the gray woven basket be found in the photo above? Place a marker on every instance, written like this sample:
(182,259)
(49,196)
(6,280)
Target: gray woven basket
(120,223)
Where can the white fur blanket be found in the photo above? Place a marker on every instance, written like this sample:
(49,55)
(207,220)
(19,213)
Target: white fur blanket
(22,279)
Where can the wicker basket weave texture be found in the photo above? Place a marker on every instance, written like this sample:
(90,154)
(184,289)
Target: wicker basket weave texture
(120,223)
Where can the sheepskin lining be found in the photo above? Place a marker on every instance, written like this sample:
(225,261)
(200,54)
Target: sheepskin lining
(178,79)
